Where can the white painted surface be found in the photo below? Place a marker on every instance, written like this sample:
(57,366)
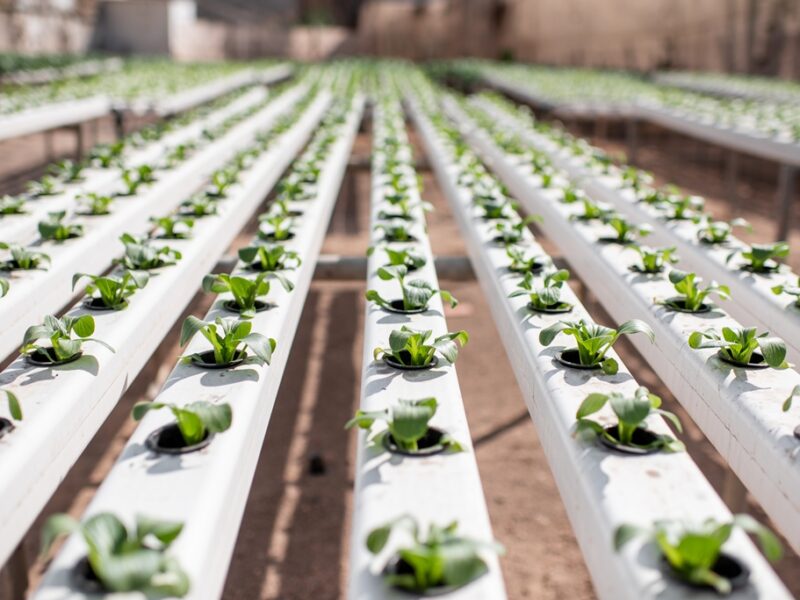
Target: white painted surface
(436,489)
(34,294)
(64,407)
(600,489)
(208,490)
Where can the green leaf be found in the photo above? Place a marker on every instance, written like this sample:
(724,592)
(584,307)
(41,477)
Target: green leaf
(140,409)
(164,531)
(104,533)
(774,351)
(768,541)
(55,527)
(129,571)
(190,327)
(460,562)
(636,326)
(13,405)
(84,326)
(215,417)
(591,404)
(261,346)
(625,533)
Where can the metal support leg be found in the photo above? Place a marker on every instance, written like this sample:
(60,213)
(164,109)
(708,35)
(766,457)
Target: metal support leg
(18,572)
(119,124)
(49,150)
(731,177)
(786,187)
(78,141)
(632,136)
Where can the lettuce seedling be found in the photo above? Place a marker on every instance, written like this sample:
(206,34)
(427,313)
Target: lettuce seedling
(125,560)
(107,155)
(691,295)
(693,550)
(221,180)
(199,206)
(46,186)
(407,424)
(245,291)
(546,296)
(173,227)
(14,408)
(523,262)
(95,204)
(195,420)
(739,346)
(651,197)
(113,291)
(9,205)
(718,232)
(681,207)
(631,416)
(409,258)
(272,257)
(594,340)
(571,195)
(592,211)
(786,288)
(762,258)
(407,347)
(230,339)
(442,559)
(497,209)
(54,228)
(135,177)
(511,232)
(68,170)
(416,293)
(635,178)
(280,227)
(63,345)
(142,256)
(178,154)
(23,258)
(625,230)
(653,260)
(395,231)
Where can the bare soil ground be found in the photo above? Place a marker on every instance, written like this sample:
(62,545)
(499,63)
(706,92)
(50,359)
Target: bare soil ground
(294,539)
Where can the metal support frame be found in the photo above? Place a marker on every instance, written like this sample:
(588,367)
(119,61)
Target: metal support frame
(787,179)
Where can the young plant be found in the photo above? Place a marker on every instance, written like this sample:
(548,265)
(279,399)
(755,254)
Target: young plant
(14,408)
(509,232)
(762,258)
(739,346)
(136,177)
(693,551)
(497,209)
(547,296)
(631,416)
(653,260)
(571,195)
(63,346)
(691,295)
(592,211)
(195,421)
(681,207)
(221,180)
(199,206)
(23,259)
(718,232)
(95,204)
(635,178)
(594,340)
(523,262)
(786,288)
(125,560)
(407,424)
(230,339)
(173,227)
(54,228)
(416,293)
(112,292)
(68,170)
(107,155)
(408,347)
(395,231)
(142,256)
(408,257)
(245,291)
(9,205)
(270,257)
(625,230)
(441,560)
(46,186)
(280,227)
